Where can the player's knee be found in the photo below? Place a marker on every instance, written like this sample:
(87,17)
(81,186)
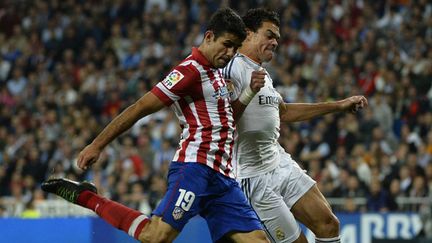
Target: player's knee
(258,236)
(155,237)
(262,237)
(156,232)
(328,226)
(146,234)
(162,238)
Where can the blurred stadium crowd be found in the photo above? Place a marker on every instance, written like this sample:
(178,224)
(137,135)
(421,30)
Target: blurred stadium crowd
(68,67)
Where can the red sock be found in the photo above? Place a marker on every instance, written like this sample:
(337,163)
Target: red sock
(119,216)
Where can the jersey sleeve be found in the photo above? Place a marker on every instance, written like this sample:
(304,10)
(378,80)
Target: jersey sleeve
(177,84)
(234,76)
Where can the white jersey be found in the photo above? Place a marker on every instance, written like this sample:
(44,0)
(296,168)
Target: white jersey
(256,150)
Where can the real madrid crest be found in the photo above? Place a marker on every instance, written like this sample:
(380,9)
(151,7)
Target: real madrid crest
(280,234)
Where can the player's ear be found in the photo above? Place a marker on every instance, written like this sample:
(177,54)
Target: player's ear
(249,33)
(208,36)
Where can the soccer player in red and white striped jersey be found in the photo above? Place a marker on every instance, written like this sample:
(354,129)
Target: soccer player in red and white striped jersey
(199,96)
(200,178)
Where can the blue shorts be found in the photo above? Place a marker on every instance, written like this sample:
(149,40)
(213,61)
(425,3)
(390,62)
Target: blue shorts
(194,189)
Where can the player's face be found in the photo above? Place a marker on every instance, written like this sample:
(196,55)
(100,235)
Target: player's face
(223,48)
(266,41)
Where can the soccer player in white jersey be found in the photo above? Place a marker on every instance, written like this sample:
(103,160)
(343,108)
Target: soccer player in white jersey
(200,178)
(277,188)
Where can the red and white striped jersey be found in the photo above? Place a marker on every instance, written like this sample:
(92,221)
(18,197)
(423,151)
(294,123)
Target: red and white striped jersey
(198,94)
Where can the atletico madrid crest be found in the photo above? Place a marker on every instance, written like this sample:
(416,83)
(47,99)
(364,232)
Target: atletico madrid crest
(177,213)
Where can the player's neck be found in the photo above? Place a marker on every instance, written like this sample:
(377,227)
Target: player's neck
(204,51)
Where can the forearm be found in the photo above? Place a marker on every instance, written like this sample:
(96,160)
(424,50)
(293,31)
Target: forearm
(295,112)
(126,119)
(238,109)
(116,127)
(240,104)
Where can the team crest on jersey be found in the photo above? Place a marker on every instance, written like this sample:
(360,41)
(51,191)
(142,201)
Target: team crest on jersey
(172,79)
(280,234)
(177,213)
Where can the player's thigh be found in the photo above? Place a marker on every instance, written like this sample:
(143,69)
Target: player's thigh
(312,208)
(187,185)
(229,212)
(156,230)
(293,181)
(279,223)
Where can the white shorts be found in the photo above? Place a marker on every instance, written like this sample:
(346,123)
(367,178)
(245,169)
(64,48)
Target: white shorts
(274,193)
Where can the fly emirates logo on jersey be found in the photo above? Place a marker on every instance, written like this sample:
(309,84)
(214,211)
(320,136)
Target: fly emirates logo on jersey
(268,97)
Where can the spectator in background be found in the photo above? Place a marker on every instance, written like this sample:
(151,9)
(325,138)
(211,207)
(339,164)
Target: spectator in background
(428,172)
(30,212)
(378,198)
(350,206)
(309,35)
(317,149)
(394,193)
(405,180)
(354,188)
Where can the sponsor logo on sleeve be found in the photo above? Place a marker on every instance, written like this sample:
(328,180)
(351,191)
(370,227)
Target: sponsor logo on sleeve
(172,79)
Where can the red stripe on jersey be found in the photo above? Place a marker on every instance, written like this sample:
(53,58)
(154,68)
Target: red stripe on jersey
(229,164)
(191,121)
(206,132)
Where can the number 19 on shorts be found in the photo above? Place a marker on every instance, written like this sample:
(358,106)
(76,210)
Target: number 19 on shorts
(185,199)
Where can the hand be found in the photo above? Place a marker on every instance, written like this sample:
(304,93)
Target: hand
(354,103)
(88,156)
(257,80)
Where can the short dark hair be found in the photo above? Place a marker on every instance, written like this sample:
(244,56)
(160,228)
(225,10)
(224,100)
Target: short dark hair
(225,20)
(254,18)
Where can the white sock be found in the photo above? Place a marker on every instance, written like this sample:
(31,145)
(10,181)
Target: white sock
(328,240)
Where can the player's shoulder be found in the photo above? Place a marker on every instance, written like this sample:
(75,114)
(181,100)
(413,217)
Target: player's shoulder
(189,63)
(185,71)
(188,67)
(235,65)
(238,60)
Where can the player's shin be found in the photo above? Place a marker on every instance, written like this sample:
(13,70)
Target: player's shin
(116,214)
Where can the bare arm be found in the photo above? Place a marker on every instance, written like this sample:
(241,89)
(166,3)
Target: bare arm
(238,109)
(146,105)
(295,112)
